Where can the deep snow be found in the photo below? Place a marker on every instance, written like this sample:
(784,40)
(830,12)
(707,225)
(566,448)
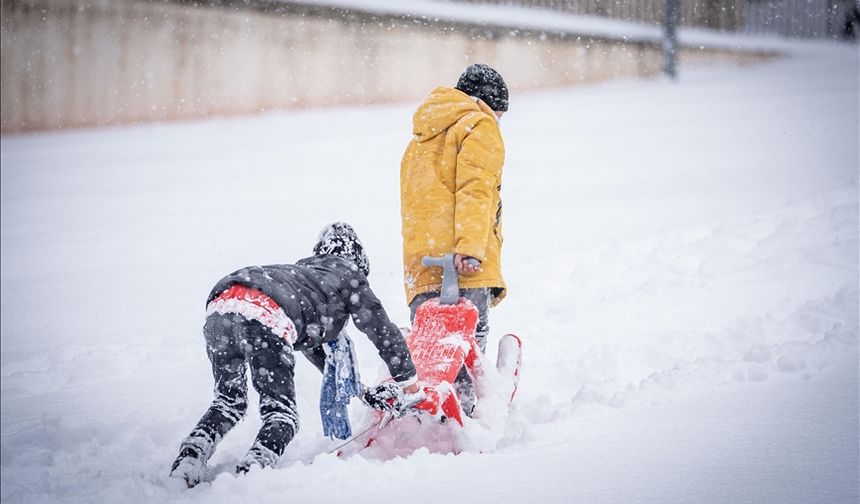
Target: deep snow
(683,269)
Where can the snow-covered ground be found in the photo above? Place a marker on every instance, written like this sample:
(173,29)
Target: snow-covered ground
(683,269)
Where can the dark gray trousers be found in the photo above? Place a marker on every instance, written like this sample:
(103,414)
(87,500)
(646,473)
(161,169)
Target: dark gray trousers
(232,343)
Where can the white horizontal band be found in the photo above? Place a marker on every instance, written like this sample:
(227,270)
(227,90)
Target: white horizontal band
(277,321)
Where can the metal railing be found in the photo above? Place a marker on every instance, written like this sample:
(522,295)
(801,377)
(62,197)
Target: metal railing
(717,14)
(802,18)
(791,18)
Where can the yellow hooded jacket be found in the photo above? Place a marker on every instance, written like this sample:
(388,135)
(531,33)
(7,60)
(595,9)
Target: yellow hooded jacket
(450,183)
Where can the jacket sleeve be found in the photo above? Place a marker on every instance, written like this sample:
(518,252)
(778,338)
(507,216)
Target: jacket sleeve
(370,318)
(479,169)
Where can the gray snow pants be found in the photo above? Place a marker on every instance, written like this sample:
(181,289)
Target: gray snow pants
(481,299)
(232,341)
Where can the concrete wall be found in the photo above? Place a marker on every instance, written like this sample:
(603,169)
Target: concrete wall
(79,63)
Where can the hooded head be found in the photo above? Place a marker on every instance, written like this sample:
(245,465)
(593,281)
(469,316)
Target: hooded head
(340,239)
(481,81)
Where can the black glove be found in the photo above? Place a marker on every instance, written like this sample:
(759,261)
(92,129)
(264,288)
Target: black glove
(390,398)
(381,397)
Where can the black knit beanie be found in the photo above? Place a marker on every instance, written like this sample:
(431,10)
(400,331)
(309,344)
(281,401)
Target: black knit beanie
(341,240)
(483,82)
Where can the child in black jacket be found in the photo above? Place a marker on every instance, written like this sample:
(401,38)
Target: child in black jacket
(260,315)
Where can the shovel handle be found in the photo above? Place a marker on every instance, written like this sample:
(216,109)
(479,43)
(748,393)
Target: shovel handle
(450,292)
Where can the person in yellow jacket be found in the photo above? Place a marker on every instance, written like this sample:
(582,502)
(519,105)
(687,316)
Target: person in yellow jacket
(450,194)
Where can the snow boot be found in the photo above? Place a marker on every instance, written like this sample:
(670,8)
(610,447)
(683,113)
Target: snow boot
(188,466)
(259,456)
(465,389)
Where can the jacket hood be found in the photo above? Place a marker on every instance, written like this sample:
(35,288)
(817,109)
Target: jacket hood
(442,108)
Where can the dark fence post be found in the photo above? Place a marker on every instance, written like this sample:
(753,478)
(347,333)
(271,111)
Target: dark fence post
(670,39)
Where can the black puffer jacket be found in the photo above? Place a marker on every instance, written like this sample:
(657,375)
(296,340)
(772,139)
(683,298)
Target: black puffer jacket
(319,294)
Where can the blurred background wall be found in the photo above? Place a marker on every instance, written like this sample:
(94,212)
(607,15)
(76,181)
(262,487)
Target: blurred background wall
(794,18)
(81,63)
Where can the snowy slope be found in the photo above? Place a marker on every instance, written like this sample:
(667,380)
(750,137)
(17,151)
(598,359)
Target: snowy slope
(682,261)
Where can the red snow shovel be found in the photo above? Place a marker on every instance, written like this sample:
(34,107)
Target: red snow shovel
(442,341)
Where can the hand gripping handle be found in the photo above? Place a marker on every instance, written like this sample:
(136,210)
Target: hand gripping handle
(450,292)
